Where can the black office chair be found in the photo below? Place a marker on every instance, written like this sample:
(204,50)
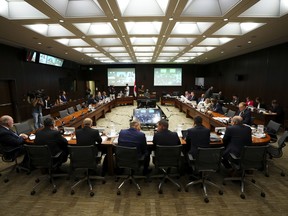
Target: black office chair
(206,161)
(275,151)
(63,113)
(11,155)
(78,107)
(71,110)
(272,129)
(40,157)
(45,117)
(230,113)
(85,158)
(23,127)
(167,158)
(225,109)
(127,158)
(252,158)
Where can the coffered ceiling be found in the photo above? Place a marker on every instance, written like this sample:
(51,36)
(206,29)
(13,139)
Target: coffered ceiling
(143,31)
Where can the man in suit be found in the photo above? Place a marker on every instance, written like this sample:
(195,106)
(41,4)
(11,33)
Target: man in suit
(164,136)
(53,139)
(236,137)
(9,139)
(133,137)
(199,136)
(245,113)
(87,136)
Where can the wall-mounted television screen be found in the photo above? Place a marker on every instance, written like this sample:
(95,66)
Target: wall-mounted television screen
(31,56)
(167,76)
(148,116)
(121,76)
(50,60)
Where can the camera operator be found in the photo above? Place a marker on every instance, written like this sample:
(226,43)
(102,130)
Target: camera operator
(37,103)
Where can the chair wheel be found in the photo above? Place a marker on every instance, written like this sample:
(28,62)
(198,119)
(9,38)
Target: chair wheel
(263,194)
(139,193)
(220,192)
(33,192)
(282,174)
(54,190)
(186,189)
(206,200)
(160,192)
(72,192)
(37,180)
(17,170)
(6,180)
(91,193)
(253,181)
(224,183)
(242,196)
(118,192)
(117,179)
(267,175)
(103,181)
(179,189)
(28,173)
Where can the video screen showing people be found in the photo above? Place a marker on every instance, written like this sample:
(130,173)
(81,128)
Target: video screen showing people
(147,116)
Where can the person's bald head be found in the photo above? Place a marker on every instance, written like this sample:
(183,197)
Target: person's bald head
(87,122)
(242,106)
(6,121)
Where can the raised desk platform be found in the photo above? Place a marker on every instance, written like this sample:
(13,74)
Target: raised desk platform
(124,101)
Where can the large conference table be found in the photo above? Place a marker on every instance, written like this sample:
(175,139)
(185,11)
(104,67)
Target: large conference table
(99,111)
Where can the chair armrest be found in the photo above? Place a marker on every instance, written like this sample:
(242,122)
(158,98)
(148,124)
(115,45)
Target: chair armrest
(234,157)
(191,157)
(153,153)
(57,155)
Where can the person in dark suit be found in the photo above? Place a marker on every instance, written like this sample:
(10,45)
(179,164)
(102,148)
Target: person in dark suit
(216,106)
(245,113)
(53,139)
(133,137)
(236,137)
(209,92)
(235,100)
(259,103)
(8,138)
(87,136)
(276,108)
(199,136)
(164,136)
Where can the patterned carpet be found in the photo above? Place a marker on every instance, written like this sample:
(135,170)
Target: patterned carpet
(15,198)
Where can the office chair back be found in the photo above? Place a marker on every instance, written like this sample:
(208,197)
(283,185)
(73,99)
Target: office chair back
(63,113)
(208,159)
(78,107)
(39,156)
(126,157)
(83,157)
(276,151)
(230,113)
(23,127)
(282,139)
(45,117)
(168,156)
(225,109)
(71,110)
(272,127)
(253,157)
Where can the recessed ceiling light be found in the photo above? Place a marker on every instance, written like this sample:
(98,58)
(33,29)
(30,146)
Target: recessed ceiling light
(225,19)
(83,36)
(222,52)
(66,53)
(171,18)
(249,42)
(39,43)
(204,36)
(115,19)
(61,21)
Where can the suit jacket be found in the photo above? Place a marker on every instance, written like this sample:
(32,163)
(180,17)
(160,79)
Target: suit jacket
(87,136)
(218,108)
(9,139)
(167,138)
(53,138)
(133,138)
(235,138)
(199,136)
(246,116)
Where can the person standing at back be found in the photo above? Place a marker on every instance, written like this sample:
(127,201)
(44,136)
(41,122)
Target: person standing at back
(164,136)
(199,136)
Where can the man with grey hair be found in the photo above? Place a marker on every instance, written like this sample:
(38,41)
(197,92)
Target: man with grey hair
(236,137)
(87,136)
(133,137)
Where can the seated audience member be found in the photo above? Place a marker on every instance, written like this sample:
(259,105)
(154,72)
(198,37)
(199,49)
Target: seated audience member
(259,103)
(276,108)
(98,96)
(91,100)
(220,96)
(216,106)
(53,139)
(164,136)
(187,95)
(63,97)
(198,136)
(47,103)
(104,95)
(9,139)
(249,102)
(235,100)
(202,98)
(147,93)
(236,137)
(245,113)
(192,97)
(133,137)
